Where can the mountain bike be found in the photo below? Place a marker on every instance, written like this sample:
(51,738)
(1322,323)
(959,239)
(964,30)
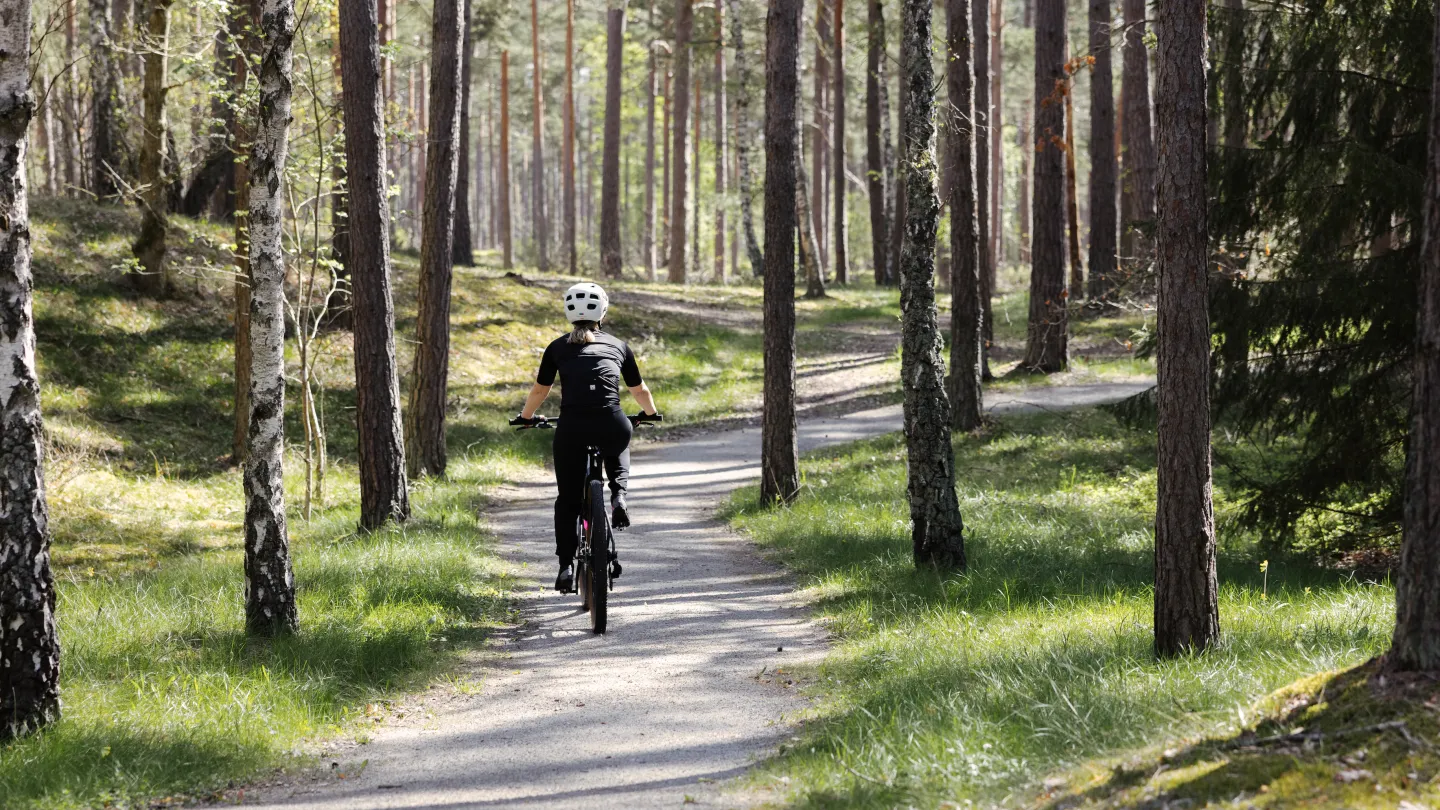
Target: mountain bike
(596,563)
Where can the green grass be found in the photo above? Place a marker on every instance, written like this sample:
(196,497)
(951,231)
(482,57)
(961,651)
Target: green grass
(975,686)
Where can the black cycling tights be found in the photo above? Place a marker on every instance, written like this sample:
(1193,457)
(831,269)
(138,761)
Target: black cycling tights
(606,429)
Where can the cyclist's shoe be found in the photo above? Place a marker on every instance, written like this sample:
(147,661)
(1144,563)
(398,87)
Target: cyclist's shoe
(565,580)
(615,568)
(619,515)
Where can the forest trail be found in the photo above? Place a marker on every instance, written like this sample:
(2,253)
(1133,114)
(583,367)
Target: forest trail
(670,703)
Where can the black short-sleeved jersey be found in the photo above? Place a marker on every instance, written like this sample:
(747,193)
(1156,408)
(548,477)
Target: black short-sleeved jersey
(590,373)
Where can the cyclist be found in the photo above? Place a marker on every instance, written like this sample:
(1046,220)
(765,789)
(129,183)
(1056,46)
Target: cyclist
(591,365)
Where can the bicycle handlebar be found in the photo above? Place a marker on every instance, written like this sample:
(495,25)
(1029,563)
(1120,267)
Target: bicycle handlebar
(546,423)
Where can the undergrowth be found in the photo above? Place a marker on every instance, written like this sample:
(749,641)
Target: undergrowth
(970,687)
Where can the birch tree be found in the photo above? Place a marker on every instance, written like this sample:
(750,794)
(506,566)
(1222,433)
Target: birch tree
(742,140)
(29,645)
(936,528)
(269,583)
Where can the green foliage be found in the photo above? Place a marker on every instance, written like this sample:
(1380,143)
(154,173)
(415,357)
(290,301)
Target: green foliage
(1315,340)
(974,686)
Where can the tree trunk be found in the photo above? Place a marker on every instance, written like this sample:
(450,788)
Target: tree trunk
(72,120)
(381,454)
(1103,216)
(537,168)
(245,45)
(877,118)
(269,584)
(1137,181)
(743,140)
(1072,194)
(937,531)
(425,419)
(665,172)
(104,159)
(898,210)
(1416,645)
(780,455)
(985,130)
(29,644)
(1045,346)
(1023,216)
(610,258)
(997,167)
(49,140)
(502,169)
(648,231)
(820,134)
(720,160)
(814,277)
(695,163)
(462,251)
(679,176)
(567,142)
(149,248)
(1186,615)
(962,140)
(1234,67)
(841,226)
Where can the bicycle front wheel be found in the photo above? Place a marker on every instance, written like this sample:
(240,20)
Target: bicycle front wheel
(598,564)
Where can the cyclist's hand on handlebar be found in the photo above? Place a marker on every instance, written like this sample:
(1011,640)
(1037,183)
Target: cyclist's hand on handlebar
(524,422)
(642,417)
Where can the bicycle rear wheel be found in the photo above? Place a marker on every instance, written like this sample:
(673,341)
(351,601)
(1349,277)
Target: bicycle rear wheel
(598,565)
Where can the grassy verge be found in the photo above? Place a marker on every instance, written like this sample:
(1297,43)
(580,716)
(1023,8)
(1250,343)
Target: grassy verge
(973,687)
(1333,741)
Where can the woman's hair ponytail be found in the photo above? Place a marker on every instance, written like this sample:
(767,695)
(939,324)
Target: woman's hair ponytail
(584,331)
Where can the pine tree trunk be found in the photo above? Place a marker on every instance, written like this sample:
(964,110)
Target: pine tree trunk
(648,230)
(665,171)
(1072,194)
(610,258)
(104,158)
(695,164)
(1234,68)
(679,176)
(1416,645)
(841,224)
(502,168)
(814,277)
(567,142)
(988,179)
(72,120)
(820,134)
(429,382)
(1137,180)
(49,141)
(149,248)
(780,455)
(962,140)
(877,116)
(1186,615)
(1045,345)
(537,167)
(269,584)
(937,531)
(29,643)
(462,251)
(997,166)
(383,494)
(898,209)
(1104,225)
(743,141)
(1024,218)
(720,160)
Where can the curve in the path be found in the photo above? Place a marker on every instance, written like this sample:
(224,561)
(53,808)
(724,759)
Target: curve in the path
(666,706)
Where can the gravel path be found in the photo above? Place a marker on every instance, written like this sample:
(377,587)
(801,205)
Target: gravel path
(670,703)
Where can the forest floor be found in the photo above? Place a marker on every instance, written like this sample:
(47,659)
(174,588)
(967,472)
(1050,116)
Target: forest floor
(165,698)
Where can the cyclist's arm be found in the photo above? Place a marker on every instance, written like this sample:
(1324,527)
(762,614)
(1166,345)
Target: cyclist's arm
(536,398)
(643,396)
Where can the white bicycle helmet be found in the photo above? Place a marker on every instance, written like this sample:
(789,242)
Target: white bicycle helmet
(586,301)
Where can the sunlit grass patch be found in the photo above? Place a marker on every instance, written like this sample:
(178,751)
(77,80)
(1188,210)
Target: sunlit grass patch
(977,685)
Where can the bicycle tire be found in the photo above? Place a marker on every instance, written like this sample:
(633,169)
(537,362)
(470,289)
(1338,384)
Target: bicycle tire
(598,574)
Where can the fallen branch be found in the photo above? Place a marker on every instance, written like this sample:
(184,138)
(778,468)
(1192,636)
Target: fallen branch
(1315,736)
